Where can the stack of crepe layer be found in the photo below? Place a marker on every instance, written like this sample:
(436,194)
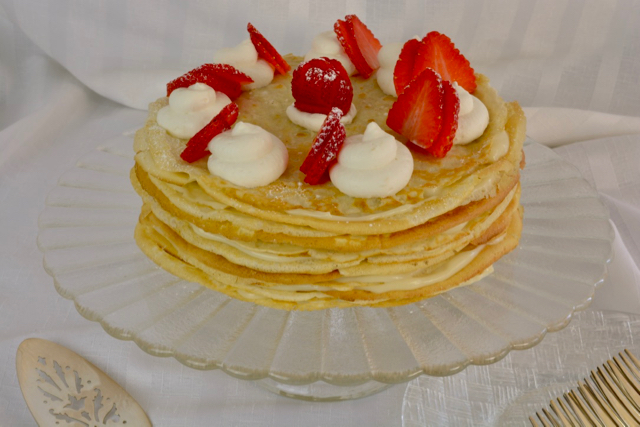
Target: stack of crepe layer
(290,245)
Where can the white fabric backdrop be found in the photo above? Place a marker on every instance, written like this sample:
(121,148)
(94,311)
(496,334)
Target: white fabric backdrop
(73,72)
(551,53)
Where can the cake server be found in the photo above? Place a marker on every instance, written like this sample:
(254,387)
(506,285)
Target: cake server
(59,385)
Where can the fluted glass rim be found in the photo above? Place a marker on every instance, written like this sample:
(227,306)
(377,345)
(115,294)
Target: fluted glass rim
(95,198)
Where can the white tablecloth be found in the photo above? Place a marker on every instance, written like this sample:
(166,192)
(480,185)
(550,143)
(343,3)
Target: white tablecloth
(74,73)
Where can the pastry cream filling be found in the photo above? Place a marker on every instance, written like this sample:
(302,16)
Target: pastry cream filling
(281,296)
(478,193)
(286,253)
(191,192)
(407,282)
(499,146)
(330,217)
(401,282)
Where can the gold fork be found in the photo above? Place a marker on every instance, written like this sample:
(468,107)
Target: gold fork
(609,397)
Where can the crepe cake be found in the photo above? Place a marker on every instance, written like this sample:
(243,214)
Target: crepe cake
(296,246)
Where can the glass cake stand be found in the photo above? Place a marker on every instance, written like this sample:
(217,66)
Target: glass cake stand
(86,236)
(508,392)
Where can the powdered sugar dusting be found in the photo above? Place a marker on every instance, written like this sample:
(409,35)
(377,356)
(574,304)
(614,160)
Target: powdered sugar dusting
(313,74)
(320,84)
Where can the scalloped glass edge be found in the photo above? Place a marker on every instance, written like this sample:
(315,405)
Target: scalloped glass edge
(538,155)
(523,383)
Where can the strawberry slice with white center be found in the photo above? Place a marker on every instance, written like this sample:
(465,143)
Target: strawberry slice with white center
(197,146)
(450,110)
(266,50)
(221,77)
(440,53)
(405,69)
(325,149)
(359,43)
(417,113)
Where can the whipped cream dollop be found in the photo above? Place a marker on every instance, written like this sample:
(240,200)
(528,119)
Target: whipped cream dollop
(473,117)
(247,156)
(244,57)
(388,56)
(326,45)
(373,164)
(190,109)
(314,121)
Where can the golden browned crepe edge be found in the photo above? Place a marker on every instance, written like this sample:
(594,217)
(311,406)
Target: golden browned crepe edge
(203,257)
(142,184)
(486,258)
(163,255)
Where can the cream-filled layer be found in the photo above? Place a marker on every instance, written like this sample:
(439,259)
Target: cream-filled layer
(400,282)
(479,192)
(283,253)
(407,282)
(257,293)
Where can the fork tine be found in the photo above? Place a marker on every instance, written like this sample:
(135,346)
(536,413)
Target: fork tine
(544,422)
(582,410)
(602,407)
(572,417)
(610,396)
(630,365)
(623,384)
(561,413)
(614,397)
(628,375)
(633,358)
(551,418)
(598,411)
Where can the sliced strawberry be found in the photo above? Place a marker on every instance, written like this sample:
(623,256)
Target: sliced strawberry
(266,50)
(441,54)
(221,77)
(450,110)
(197,146)
(325,149)
(321,84)
(405,69)
(348,41)
(329,127)
(417,113)
(369,45)
(359,43)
